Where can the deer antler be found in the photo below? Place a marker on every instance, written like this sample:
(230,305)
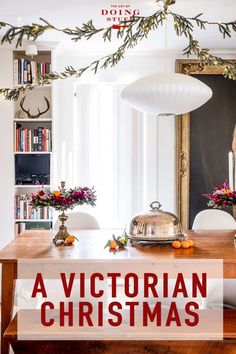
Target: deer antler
(29,115)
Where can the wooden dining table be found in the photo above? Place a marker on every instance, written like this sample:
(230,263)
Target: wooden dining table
(38,245)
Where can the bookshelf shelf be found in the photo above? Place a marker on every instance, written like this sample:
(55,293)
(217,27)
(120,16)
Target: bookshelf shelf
(33,220)
(32,134)
(37,87)
(32,120)
(28,186)
(32,152)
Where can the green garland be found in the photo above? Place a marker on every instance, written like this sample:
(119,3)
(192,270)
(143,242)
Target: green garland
(136,30)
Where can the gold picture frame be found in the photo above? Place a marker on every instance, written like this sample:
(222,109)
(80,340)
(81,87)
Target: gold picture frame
(188,67)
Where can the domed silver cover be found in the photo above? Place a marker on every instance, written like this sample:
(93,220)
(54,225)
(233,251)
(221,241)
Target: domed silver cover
(156,226)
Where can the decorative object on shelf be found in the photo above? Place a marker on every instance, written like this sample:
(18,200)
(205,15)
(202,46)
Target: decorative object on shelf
(165,94)
(135,30)
(27,111)
(31,50)
(63,200)
(155,226)
(222,197)
(20,114)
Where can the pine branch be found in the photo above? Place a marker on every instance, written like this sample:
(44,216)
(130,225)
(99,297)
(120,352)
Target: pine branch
(141,26)
(28,32)
(131,33)
(13,94)
(203,55)
(137,30)
(87,30)
(226,28)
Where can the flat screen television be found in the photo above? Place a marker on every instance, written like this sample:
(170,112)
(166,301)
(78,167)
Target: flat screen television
(32,169)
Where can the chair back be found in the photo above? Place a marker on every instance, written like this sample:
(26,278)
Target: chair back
(214,219)
(79,221)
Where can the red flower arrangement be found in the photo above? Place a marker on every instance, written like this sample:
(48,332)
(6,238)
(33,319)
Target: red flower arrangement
(62,200)
(222,197)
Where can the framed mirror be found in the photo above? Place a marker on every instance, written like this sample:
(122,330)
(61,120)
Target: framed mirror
(204,139)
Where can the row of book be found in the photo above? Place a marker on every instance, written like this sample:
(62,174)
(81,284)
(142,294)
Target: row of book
(27,140)
(23,210)
(29,72)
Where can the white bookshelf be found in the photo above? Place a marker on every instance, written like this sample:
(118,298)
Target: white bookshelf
(32,120)
(34,100)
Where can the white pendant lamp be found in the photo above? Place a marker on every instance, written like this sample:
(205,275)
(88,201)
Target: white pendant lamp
(166,94)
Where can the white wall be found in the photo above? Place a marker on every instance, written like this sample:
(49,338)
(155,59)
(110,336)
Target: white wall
(128,70)
(6,148)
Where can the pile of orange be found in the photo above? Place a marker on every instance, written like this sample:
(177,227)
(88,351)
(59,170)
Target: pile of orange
(184,244)
(118,242)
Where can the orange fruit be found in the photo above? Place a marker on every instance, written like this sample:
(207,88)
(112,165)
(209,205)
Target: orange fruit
(112,244)
(176,244)
(191,242)
(185,244)
(70,239)
(123,242)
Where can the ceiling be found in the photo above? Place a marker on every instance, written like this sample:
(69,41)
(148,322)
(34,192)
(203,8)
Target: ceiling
(71,13)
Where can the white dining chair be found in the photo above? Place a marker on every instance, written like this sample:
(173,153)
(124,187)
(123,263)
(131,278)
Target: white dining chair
(214,219)
(79,221)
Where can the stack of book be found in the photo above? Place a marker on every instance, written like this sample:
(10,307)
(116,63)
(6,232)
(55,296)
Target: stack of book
(24,211)
(29,72)
(27,140)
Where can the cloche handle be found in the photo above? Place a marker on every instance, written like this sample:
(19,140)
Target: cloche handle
(155,205)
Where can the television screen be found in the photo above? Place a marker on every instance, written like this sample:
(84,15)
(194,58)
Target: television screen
(30,166)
